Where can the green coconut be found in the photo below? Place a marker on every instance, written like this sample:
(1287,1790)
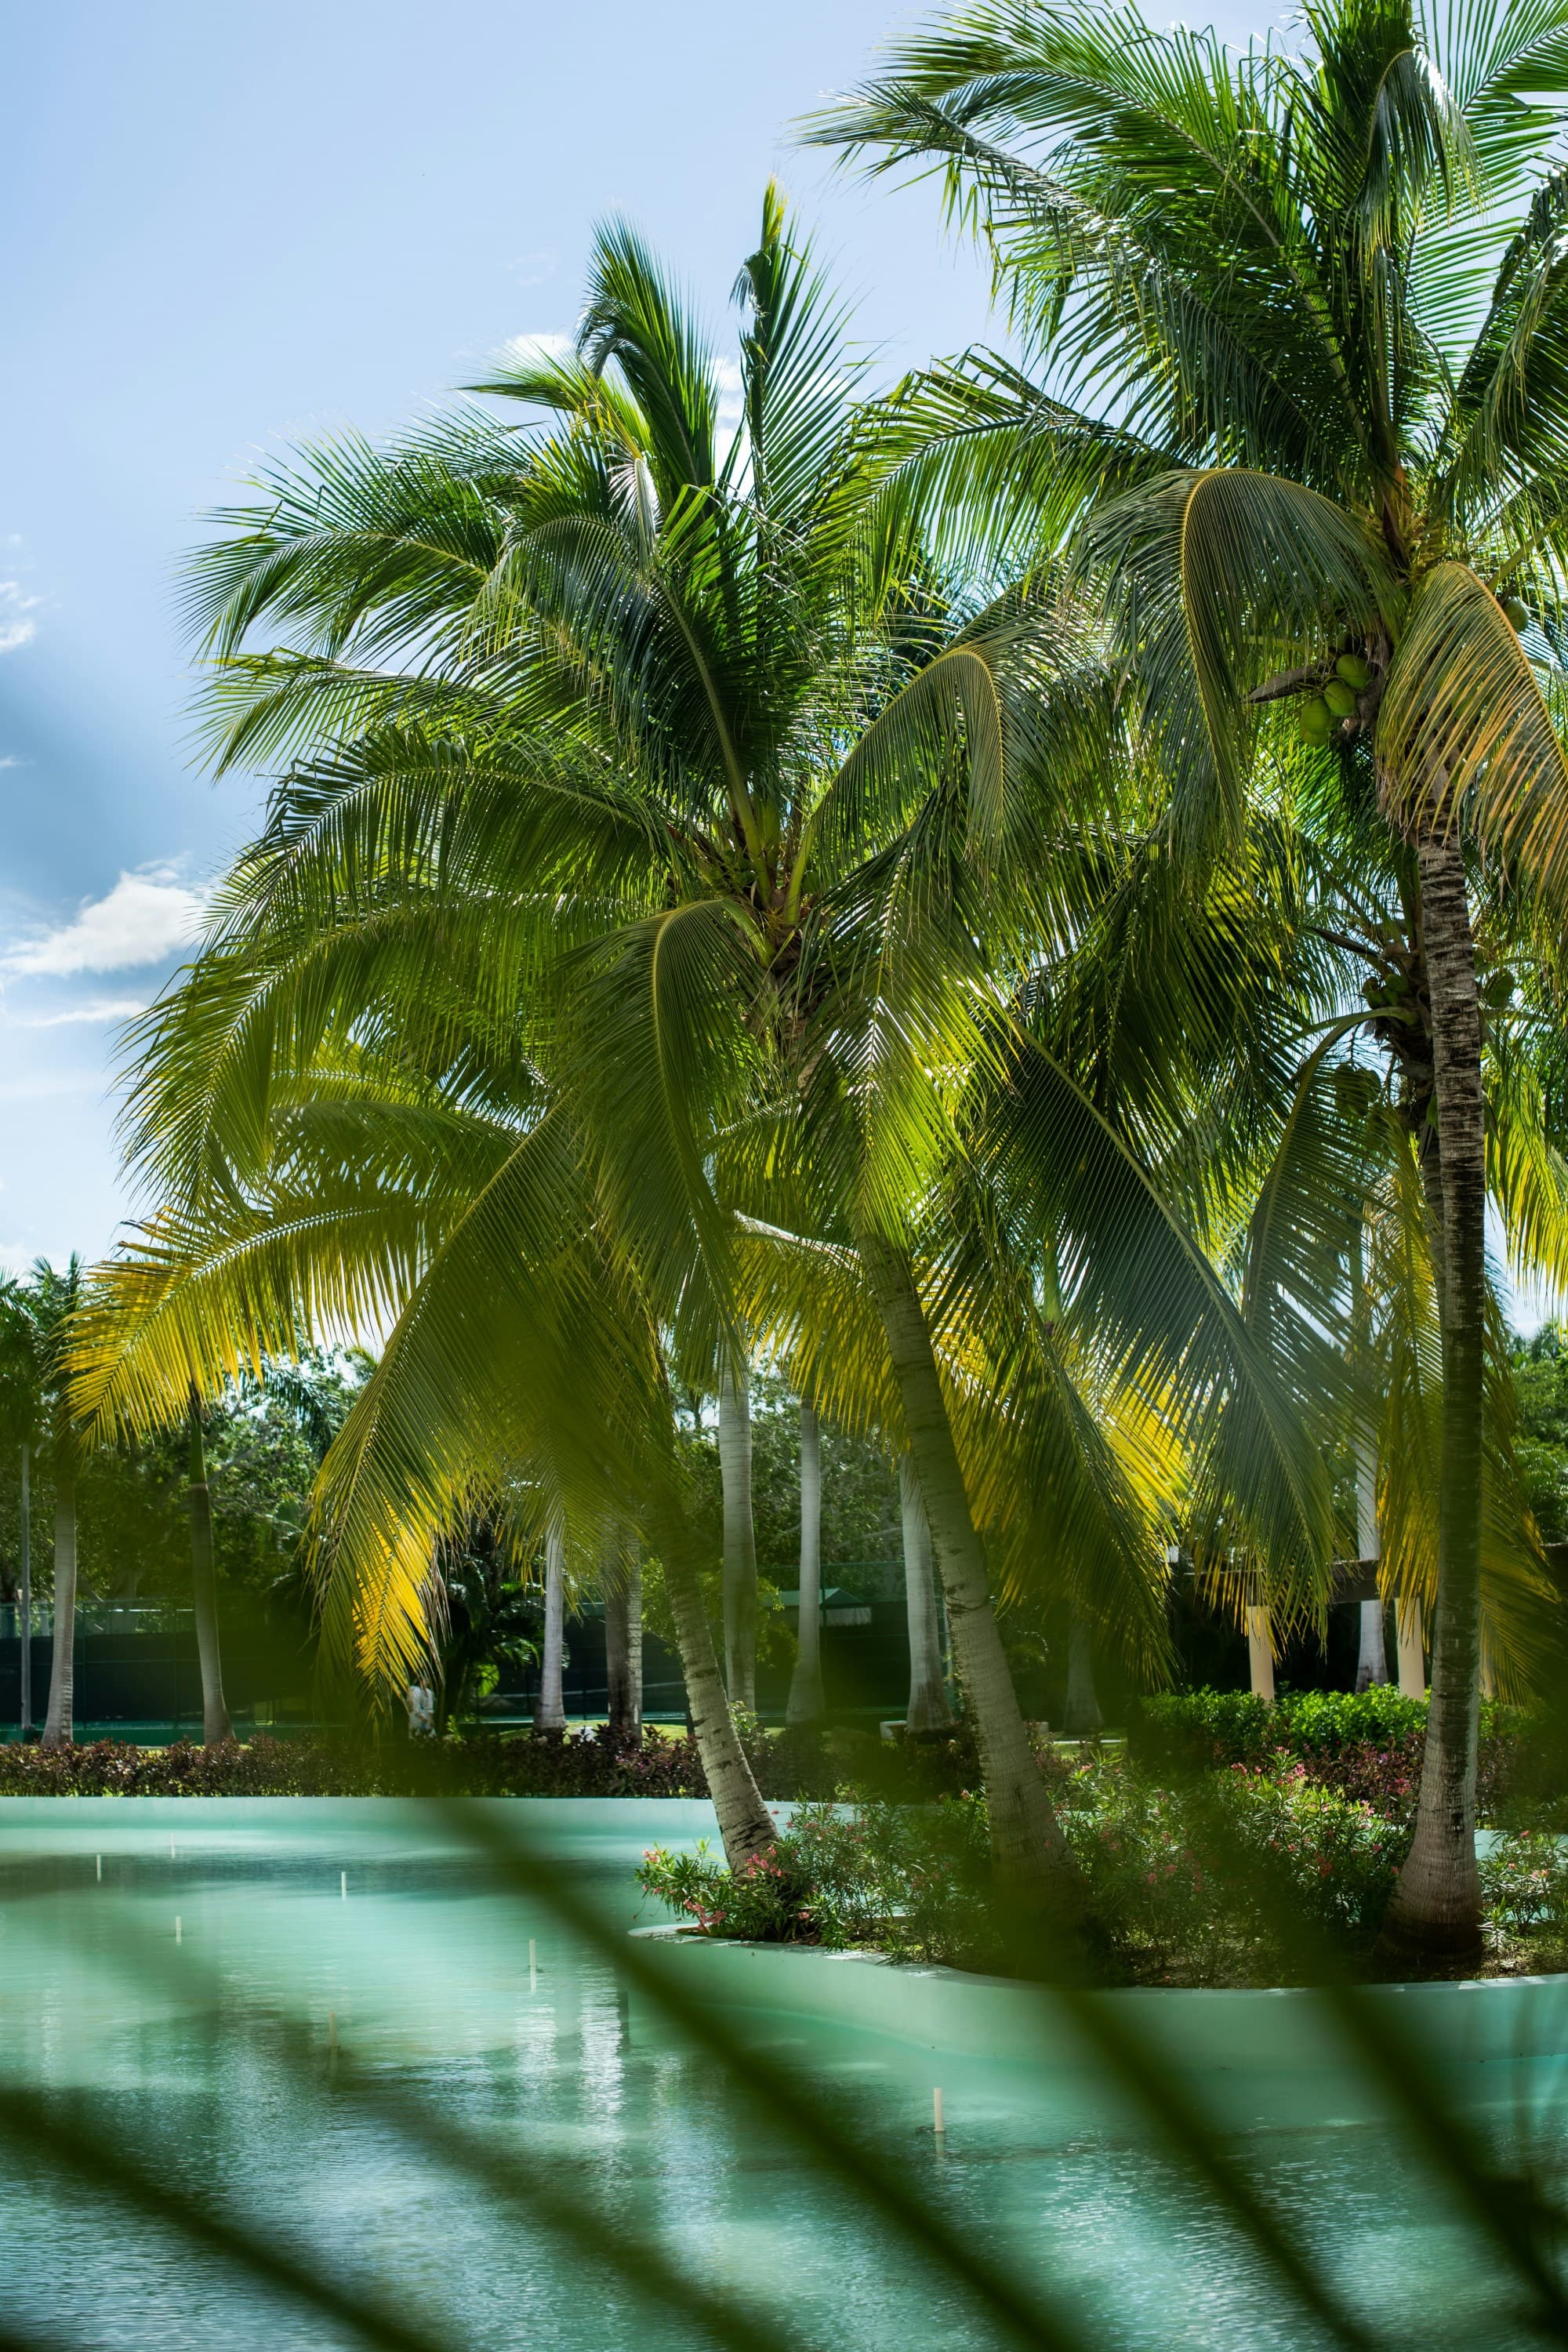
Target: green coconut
(1518,612)
(1340,697)
(1316,721)
(1354,672)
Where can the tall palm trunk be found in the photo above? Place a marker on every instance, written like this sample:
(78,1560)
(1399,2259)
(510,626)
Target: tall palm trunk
(805,1699)
(1436,1907)
(1371,1662)
(216,1726)
(1083,1719)
(26,1711)
(1372,1659)
(928,1710)
(739,1534)
(549,1706)
(1028,1851)
(745,1825)
(59,1723)
(623,1637)
(1260,1651)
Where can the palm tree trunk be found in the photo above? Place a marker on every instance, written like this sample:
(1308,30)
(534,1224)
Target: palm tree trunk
(739,1534)
(1028,1851)
(745,1825)
(1435,1911)
(1372,1659)
(623,1637)
(805,1700)
(1372,1662)
(26,1711)
(1083,1719)
(549,1706)
(1259,1651)
(1412,1647)
(59,1723)
(216,1726)
(928,1708)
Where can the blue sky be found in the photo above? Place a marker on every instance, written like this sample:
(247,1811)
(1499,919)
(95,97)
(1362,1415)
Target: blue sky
(230,226)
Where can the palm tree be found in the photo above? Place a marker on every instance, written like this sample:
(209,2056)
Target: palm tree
(1298,320)
(40,1309)
(217,1724)
(728,832)
(928,1710)
(549,1702)
(740,1534)
(806,1705)
(621,1583)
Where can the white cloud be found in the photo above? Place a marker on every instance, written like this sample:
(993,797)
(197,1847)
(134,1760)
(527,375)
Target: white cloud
(92,1008)
(143,920)
(530,350)
(18,627)
(14,760)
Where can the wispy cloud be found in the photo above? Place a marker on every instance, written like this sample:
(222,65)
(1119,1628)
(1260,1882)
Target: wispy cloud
(18,626)
(14,760)
(143,920)
(531,351)
(92,1008)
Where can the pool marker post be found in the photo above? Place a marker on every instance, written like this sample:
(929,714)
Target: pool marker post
(99,1859)
(343,1884)
(179,1928)
(532,1965)
(936,2125)
(332,2029)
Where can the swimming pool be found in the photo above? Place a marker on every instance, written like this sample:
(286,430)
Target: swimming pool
(266,2000)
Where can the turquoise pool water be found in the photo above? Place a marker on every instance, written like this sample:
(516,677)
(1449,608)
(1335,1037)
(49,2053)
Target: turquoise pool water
(206,2051)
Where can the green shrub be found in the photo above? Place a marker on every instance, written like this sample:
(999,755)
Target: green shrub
(1524,1885)
(1237,1880)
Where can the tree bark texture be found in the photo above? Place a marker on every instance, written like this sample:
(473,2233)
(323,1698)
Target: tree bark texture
(216,1726)
(1083,1719)
(1028,1851)
(623,1636)
(928,1710)
(740,1536)
(805,1699)
(59,1723)
(550,1703)
(745,1824)
(1435,1911)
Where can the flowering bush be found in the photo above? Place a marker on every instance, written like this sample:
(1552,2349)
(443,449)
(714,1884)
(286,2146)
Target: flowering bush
(1237,1880)
(1524,1885)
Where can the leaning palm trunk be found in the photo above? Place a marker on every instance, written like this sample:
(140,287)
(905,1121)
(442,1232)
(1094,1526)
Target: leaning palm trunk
(623,1639)
(745,1825)
(550,1705)
(1083,1719)
(1028,1848)
(928,1708)
(740,1536)
(1436,1907)
(59,1723)
(805,1699)
(216,1726)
